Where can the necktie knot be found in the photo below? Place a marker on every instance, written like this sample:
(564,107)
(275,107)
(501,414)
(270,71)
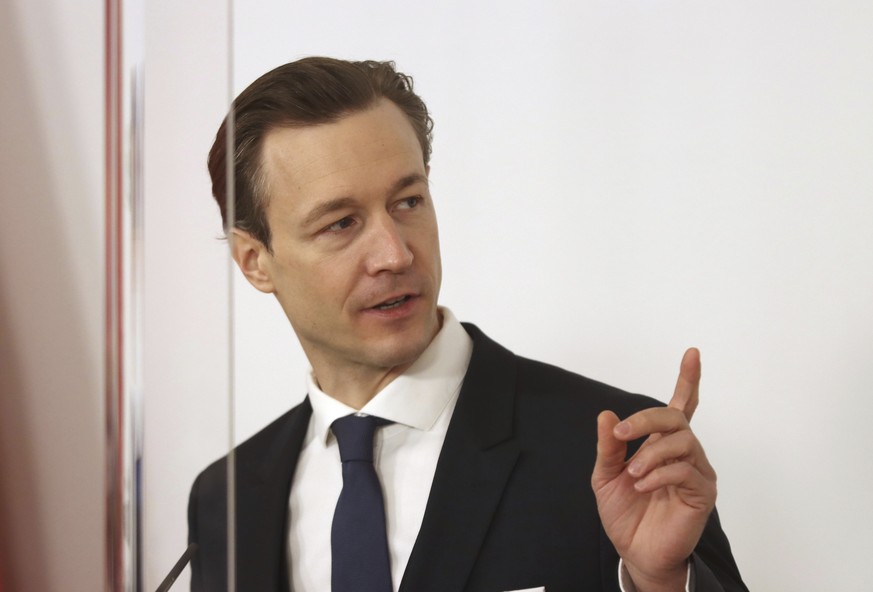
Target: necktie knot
(354,436)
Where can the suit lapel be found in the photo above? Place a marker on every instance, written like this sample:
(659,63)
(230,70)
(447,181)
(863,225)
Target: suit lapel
(476,461)
(264,474)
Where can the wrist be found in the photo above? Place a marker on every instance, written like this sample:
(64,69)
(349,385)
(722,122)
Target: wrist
(670,580)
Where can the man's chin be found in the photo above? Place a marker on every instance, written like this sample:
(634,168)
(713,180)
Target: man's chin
(397,352)
(396,357)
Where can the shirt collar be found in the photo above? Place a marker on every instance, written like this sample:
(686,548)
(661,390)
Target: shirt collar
(417,397)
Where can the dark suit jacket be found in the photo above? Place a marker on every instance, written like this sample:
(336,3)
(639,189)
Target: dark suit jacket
(511,505)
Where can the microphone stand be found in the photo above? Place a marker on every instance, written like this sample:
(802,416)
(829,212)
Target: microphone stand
(177,569)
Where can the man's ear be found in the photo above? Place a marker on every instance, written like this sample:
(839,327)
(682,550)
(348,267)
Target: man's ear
(253,258)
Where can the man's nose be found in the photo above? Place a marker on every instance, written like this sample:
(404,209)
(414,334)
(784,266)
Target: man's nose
(387,249)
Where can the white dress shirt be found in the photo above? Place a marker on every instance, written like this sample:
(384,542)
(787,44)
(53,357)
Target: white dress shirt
(420,403)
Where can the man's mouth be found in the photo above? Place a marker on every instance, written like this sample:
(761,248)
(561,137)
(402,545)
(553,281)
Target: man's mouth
(393,303)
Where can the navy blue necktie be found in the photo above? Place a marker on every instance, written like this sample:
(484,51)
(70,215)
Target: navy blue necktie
(359,545)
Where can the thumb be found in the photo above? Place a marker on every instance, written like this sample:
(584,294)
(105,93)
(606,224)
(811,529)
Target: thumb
(611,451)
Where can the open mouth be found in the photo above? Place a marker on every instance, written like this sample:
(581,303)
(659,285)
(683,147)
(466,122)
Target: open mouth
(393,303)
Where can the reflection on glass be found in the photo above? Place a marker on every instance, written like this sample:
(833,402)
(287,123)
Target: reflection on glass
(124,274)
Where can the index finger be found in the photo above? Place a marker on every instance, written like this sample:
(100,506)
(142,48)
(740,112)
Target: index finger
(686,395)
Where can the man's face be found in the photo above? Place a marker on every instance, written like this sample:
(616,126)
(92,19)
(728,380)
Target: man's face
(356,261)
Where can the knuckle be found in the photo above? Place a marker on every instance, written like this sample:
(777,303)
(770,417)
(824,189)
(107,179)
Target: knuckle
(685,470)
(688,440)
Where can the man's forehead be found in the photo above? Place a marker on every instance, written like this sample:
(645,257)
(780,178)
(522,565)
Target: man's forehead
(377,138)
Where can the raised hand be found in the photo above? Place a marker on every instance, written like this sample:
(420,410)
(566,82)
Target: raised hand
(654,506)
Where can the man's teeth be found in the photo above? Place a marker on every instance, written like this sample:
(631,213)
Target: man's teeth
(392,303)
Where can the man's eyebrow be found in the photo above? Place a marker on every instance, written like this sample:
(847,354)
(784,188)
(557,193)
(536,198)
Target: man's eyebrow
(404,182)
(339,203)
(327,207)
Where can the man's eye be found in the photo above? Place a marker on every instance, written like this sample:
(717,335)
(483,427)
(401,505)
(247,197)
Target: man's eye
(340,225)
(410,202)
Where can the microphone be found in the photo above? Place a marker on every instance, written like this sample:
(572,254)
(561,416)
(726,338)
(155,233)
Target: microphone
(177,569)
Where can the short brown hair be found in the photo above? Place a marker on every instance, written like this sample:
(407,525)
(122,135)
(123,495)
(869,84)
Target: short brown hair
(307,92)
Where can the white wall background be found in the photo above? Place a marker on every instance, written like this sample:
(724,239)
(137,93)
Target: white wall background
(51,296)
(186,271)
(615,181)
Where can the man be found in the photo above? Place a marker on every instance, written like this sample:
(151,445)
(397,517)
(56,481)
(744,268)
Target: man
(497,473)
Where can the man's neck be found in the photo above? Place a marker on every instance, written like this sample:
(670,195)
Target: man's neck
(355,387)
(355,384)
